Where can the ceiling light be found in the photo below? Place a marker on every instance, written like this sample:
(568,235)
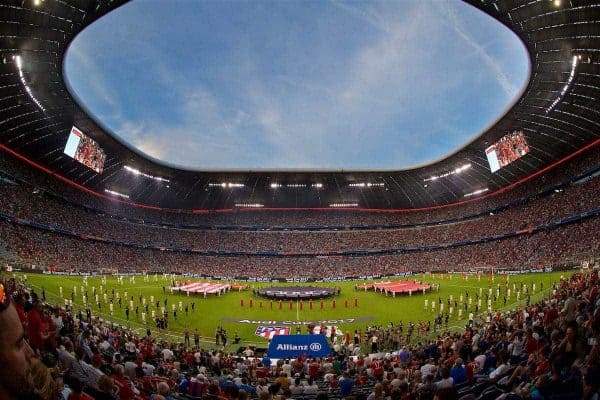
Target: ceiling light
(249,205)
(343,205)
(477,192)
(19,64)
(226,185)
(367,184)
(115,193)
(567,85)
(138,172)
(457,170)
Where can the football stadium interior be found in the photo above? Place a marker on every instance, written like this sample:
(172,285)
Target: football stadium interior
(134,256)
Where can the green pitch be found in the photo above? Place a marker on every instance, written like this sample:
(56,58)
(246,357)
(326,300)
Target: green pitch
(210,311)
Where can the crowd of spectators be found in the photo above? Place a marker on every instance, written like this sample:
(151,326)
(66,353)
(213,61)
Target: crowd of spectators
(43,249)
(547,350)
(139,246)
(248,217)
(46,248)
(19,201)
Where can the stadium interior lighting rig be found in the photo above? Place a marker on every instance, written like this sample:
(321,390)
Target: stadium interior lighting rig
(477,192)
(115,193)
(227,185)
(343,205)
(449,173)
(567,86)
(275,185)
(366,184)
(249,205)
(140,173)
(19,64)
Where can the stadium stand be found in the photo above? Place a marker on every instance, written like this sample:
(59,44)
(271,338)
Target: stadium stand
(555,217)
(540,212)
(562,175)
(546,350)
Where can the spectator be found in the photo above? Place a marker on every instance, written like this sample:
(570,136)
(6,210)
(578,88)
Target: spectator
(345,385)
(446,381)
(41,383)
(458,372)
(106,389)
(15,353)
(427,390)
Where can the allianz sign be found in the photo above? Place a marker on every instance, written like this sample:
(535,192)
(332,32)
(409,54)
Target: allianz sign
(286,346)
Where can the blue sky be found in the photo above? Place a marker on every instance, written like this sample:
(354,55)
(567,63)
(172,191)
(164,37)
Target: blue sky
(296,84)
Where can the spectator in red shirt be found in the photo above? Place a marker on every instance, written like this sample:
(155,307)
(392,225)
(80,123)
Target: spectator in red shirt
(77,391)
(125,390)
(551,316)
(313,369)
(37,331)
(20,307)
(531,344)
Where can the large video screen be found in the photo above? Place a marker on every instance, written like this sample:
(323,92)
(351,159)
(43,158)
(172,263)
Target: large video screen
(506,150)
(85,150)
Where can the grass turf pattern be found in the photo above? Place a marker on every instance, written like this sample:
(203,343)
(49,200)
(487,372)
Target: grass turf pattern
(210,311)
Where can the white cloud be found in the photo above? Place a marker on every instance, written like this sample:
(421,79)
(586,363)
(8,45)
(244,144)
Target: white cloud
(373,88)
(203,137)
(495,66)
(318,120)
(81,67)
(365,13)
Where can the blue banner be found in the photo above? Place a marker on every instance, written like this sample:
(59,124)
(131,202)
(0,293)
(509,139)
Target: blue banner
(292,346)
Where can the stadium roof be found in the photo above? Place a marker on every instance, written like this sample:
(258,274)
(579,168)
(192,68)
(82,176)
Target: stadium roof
(559,113)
